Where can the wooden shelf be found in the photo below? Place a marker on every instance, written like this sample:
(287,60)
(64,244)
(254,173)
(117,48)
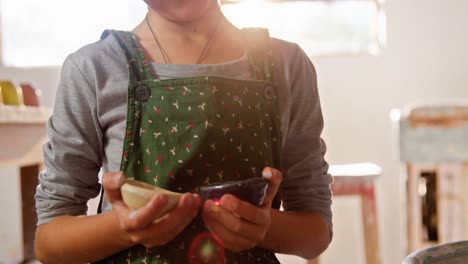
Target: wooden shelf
(23,115)
(22,134)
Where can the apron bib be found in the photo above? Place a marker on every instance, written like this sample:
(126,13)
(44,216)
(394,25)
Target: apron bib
(188,132)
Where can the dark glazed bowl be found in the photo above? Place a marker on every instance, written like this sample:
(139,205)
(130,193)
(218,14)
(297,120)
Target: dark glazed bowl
(251,190)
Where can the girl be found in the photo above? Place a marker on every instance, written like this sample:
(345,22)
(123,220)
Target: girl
(185,99)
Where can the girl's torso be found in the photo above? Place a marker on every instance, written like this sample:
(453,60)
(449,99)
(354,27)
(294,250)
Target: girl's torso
(183,133)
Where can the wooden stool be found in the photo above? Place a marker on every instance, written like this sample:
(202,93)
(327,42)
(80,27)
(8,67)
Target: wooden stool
(358,179)
(433,145)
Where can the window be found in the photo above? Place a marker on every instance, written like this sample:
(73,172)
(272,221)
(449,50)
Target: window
(42,33)
(321,27)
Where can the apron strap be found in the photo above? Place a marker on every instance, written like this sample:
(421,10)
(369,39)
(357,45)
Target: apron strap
(261,61)
(138,69)
(137,64)
(259,52)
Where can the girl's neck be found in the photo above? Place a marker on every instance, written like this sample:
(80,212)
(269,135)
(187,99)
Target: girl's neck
(196,30)
(184,41)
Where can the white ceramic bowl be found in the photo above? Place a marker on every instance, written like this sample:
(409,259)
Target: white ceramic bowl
(136,194)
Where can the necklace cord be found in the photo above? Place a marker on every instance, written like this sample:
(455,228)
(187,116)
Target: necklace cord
(203,53)
(166,59)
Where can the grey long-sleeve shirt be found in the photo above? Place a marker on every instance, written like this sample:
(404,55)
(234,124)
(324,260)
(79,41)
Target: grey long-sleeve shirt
(86,130)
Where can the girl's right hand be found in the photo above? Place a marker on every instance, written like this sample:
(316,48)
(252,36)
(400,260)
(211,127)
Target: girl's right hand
(146,226)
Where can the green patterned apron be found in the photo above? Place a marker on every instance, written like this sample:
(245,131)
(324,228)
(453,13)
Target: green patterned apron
(188,132)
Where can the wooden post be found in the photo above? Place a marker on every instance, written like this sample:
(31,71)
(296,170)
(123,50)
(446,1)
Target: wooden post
(465,199)
(29,181)
(412,209)
(369,217)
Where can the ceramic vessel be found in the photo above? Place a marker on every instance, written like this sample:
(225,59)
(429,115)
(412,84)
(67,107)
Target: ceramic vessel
(136,194)
(30,94)
(449,253)
(250,190)
(10,94)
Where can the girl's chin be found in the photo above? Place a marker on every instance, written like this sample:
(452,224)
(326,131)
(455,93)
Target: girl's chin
(182,11)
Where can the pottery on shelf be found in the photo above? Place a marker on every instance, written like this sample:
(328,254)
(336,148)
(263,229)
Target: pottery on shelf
(10,94)
(30,94)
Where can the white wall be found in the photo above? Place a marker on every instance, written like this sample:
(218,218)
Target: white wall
(425,58)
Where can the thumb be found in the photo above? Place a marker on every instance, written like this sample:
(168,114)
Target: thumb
(274,180)
(111,182)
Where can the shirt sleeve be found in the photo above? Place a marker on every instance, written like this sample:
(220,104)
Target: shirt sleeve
(72,155)
(306,181)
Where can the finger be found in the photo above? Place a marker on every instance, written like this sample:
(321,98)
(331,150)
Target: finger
(226,237)
(170,225)
(198,199)
(111,182)
(121,208)
(245,210)
(233,223)
(185,210)
(274,180)
(147,214)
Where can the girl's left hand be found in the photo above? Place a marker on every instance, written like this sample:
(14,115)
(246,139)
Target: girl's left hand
(239,225)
